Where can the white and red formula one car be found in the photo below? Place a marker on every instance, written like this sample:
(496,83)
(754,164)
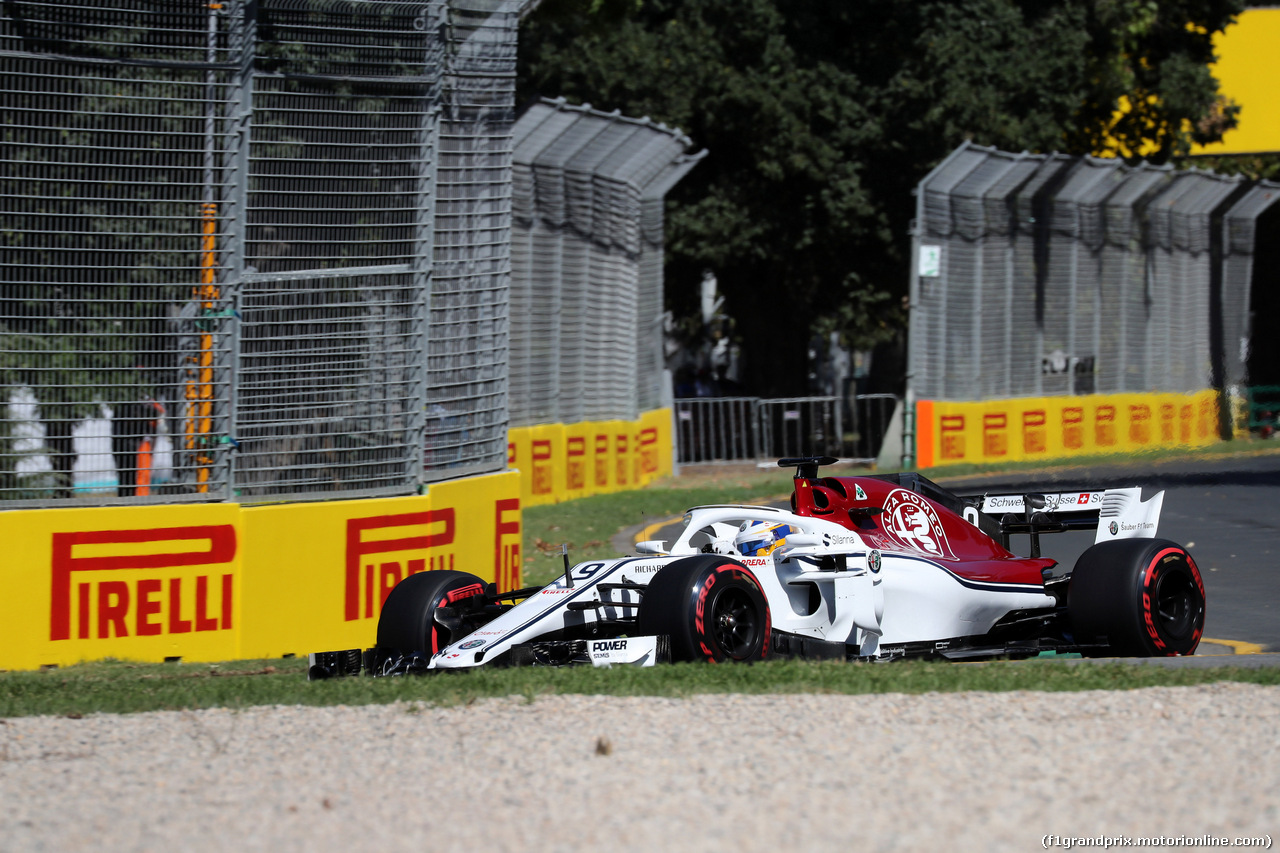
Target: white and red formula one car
(870,568)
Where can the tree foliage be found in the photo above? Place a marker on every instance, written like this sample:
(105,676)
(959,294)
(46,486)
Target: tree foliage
(822,116)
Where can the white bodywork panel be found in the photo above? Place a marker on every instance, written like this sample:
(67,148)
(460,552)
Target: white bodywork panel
(892,598)
(1125,515)
(1122,513)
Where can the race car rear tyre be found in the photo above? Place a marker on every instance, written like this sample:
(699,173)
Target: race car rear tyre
(712,607)
(1145,596)
(408,620)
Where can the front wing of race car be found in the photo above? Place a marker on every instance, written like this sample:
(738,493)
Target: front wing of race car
(616,651)
(586,616)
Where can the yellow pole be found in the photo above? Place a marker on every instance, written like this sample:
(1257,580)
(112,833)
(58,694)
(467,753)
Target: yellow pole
(199,390)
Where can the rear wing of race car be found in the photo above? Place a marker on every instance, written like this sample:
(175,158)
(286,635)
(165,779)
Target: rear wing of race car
(1113,513)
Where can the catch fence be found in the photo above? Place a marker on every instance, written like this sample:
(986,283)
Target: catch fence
(586,263)
(262,250)
(1050,275)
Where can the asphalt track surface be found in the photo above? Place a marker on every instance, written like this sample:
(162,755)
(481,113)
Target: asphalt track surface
(1224,510)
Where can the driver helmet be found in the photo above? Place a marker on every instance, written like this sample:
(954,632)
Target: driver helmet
(760,538)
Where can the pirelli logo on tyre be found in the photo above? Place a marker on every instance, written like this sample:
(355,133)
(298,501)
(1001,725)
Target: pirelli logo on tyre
(107,584)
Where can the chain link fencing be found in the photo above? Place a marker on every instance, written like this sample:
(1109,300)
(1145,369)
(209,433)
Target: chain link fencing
(586,282)
(1051,275)
(253,249)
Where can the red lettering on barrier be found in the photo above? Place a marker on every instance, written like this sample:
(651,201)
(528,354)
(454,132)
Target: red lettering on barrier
(358,548)
(177,625)
(575,459)
(542,467)
(602,465)
(649,450)
(1034,431)
(1168,415)
(995,442)
(1140,424)
(84,610)
(951,428)
(388,577)
(147,607)
(113,607)
(1104,426)
(1208,411)
(204,622)
(623,460)
(115,597)
(1073,427)
(506,555)
(226,602)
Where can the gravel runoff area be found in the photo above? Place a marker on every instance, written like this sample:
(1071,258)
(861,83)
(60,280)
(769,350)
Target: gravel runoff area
(952,771)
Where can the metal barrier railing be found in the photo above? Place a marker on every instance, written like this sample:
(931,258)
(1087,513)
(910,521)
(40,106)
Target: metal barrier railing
(744,429)
(717,429)
(801,426)
(872,416)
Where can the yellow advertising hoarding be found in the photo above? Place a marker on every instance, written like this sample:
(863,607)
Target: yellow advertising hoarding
(559,462)
(579,460)
(653,446)
(1247,69)
(215,581)
(1033,428)
(126,582)
(221,581)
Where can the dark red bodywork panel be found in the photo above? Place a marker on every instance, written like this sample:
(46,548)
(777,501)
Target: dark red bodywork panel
(912,523)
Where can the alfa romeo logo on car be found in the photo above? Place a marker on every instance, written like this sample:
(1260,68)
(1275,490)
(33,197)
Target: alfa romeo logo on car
(471,644)
(913,523)
(873,562)
(1114,528)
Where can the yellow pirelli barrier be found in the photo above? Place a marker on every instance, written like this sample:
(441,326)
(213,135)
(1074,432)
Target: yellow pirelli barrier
(1027,429)
(125,582)
(579,460)
(221,581)
(559,462)
(604,467)
(653,446)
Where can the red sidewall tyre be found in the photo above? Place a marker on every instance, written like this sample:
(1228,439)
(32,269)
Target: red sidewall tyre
(713,609)
(1145,596)
(407,620)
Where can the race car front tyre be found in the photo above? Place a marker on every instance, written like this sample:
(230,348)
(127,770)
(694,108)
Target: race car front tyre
(408,621)
(1145,596)
(712,607)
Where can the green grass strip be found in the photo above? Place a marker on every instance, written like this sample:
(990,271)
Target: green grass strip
(118,687)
